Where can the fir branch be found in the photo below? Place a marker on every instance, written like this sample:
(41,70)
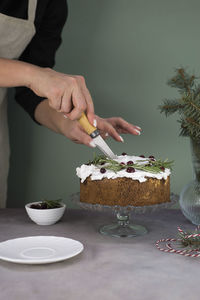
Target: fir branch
(182,80)
(170,106)
(187,106)
(192,122)
(196,91)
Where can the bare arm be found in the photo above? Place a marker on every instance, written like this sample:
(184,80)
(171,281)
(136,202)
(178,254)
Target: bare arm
(15,73)
(65,93)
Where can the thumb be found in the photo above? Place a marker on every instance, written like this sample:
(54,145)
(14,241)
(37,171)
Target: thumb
(83,138)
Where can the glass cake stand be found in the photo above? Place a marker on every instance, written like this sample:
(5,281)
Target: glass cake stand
(123,227)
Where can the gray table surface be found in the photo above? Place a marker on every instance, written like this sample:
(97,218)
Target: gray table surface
(108,268)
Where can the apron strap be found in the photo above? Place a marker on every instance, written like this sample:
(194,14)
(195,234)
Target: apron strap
(32,5)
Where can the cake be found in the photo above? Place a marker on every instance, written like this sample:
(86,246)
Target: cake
(126,180)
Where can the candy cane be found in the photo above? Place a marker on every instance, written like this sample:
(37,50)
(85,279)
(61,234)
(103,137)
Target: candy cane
(190,253)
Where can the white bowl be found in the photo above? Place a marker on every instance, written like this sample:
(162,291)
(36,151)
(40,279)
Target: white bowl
(45,216)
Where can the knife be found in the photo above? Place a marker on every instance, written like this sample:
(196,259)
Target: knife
(94,133)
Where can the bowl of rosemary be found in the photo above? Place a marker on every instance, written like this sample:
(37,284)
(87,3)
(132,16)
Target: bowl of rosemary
(45,212)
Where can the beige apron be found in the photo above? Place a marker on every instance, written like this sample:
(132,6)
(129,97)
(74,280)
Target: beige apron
(15,35)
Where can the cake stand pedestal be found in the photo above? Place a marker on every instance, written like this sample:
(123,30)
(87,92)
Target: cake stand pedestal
(123,227)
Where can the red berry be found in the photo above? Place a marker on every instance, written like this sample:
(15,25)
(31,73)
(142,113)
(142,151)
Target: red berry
(142,156)
(162,169)
(151,156)
(36,206)
(130,162)
(103,170)
(124,153)
(130,170)
(122,163)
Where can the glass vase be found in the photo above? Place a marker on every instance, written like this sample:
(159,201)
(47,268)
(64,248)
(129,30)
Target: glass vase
(190,195)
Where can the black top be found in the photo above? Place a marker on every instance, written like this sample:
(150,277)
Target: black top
(49,21)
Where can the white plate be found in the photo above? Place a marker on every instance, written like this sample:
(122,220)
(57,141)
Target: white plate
(39,249)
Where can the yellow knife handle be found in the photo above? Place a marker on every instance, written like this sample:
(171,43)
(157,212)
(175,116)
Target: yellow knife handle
(86,125)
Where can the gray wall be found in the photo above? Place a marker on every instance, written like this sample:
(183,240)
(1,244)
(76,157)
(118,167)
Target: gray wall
(126,49)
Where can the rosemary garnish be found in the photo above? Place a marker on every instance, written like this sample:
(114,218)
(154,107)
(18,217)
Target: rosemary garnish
(192,243)
(52,203)
(148,165)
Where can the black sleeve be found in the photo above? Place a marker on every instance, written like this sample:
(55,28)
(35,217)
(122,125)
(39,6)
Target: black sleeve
(42,48)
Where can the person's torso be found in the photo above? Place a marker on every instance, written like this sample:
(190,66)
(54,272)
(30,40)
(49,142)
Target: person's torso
(19,9)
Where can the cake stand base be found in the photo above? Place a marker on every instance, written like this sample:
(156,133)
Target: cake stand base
(116,230)
(123,228)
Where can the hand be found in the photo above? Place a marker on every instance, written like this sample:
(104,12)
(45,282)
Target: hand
(55,121)
(113,126)
(66,93)
(107,127)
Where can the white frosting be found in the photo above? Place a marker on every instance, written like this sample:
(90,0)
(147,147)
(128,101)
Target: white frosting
(85,171)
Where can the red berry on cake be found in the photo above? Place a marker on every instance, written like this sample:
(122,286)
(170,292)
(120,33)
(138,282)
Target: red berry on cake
(142,156)
(124,153)
(130,162)
(151,156)
(162,169)
(130,170)
(122,163)
(103,170)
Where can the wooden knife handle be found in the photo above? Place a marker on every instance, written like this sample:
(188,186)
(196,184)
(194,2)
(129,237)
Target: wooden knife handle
(86,124)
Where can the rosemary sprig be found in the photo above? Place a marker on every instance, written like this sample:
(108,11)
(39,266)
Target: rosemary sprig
(192,243)
(147,165)
(52,203)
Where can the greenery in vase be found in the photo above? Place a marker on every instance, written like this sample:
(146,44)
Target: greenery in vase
(151,165)
(187,105)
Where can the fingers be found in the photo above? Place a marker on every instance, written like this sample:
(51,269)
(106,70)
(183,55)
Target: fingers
(78,103)
(68,94)
(66,104)
(88,99)
(83,138)
(55,103)
(123,126)
(107,128)
(103,134)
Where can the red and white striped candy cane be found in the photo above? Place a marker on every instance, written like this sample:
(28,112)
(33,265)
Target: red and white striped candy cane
(190,253)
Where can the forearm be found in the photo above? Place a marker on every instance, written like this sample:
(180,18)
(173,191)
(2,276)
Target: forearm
(48,117)
(14,73)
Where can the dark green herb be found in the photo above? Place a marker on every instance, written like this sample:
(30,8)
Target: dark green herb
(47,204)
(192,243)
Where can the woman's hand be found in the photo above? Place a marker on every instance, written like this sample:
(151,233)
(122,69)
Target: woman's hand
(115,126)
(107,127)
(66,93)
(55,121)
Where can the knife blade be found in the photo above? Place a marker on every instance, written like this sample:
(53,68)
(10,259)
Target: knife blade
(95,135)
